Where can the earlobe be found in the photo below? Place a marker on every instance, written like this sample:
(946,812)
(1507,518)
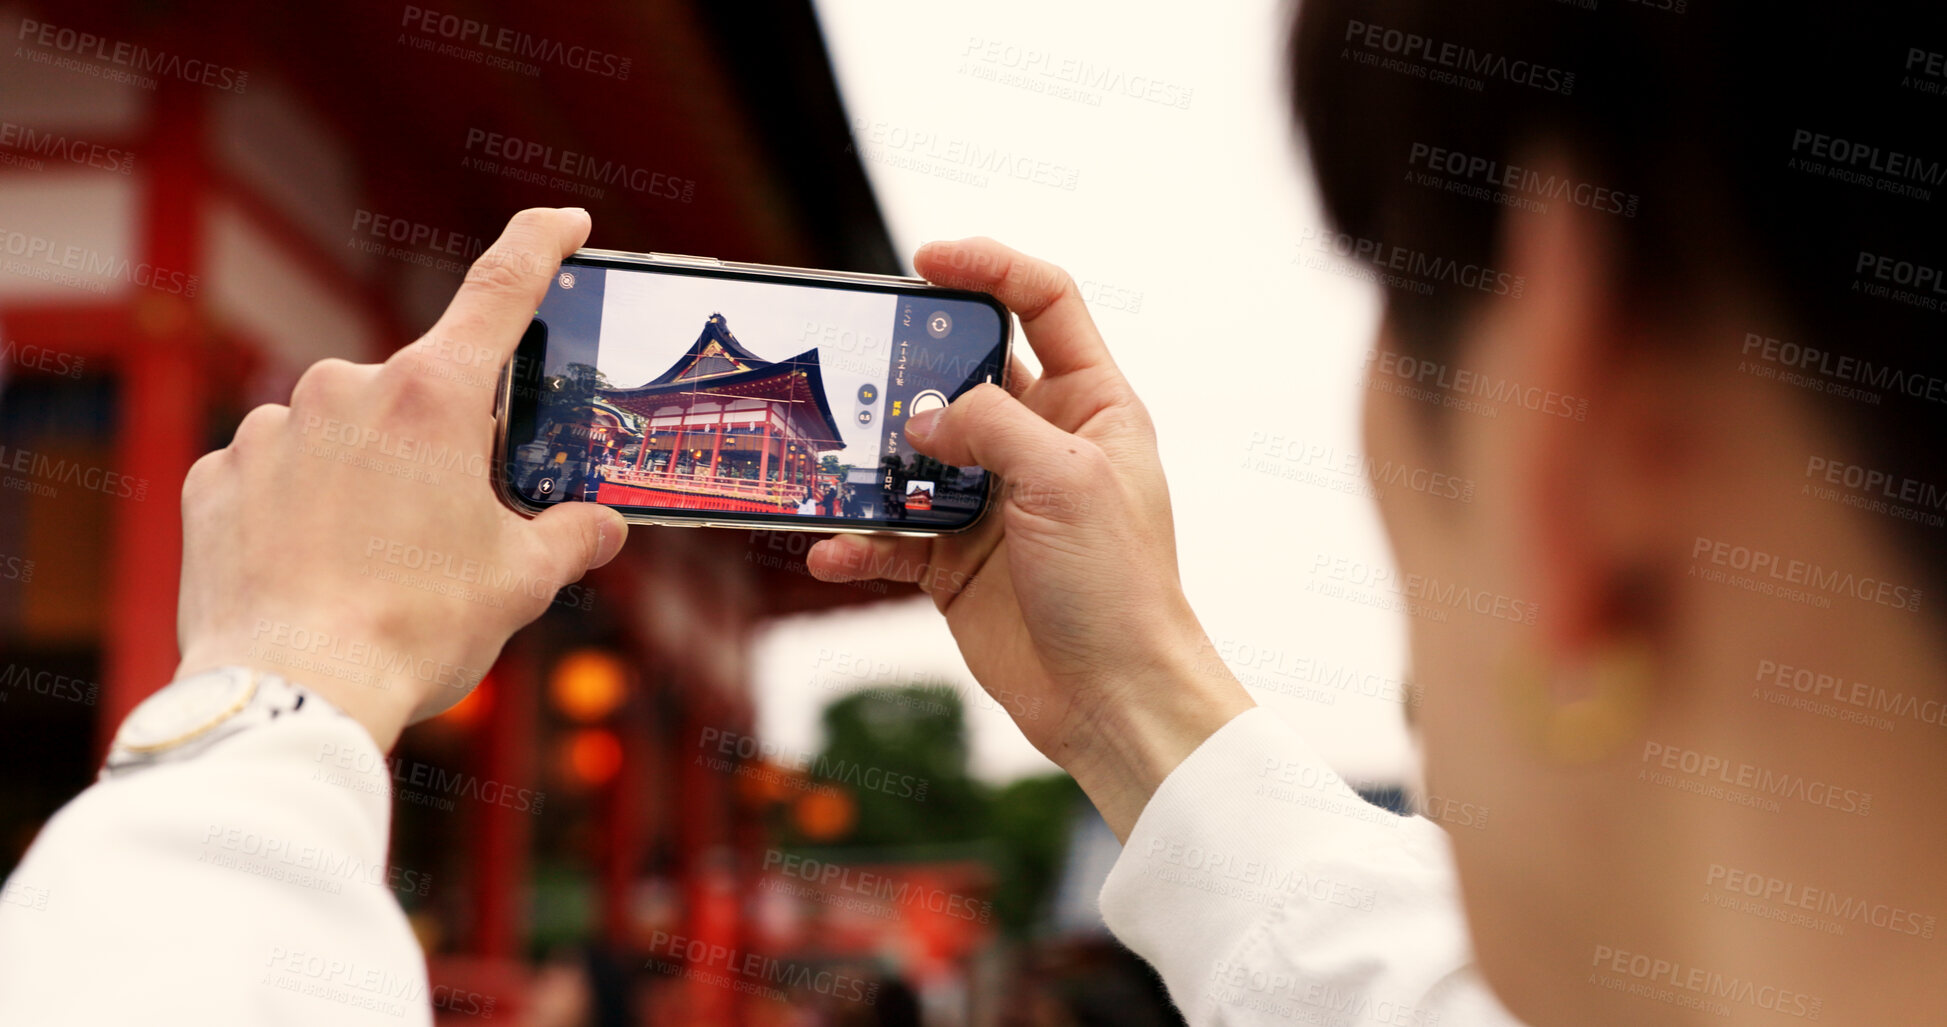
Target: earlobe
(1577,716)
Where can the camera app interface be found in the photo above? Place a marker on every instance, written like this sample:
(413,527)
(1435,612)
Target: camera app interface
(687,392)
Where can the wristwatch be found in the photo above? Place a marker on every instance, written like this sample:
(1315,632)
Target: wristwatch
(188,715)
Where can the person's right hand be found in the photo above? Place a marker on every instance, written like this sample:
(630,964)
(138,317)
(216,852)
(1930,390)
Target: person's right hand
(1065,598)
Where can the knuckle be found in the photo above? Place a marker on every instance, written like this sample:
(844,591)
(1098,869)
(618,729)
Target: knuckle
(203,475)
(409,384)
(259,425)
(1129,410)
(322,379)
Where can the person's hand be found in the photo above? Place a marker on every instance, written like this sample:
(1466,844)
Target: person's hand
(352,541)
(1065,599)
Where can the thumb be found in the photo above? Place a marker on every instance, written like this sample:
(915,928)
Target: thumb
(579,537)
(991,429)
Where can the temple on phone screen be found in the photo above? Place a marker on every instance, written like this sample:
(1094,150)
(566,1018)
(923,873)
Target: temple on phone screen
(691,393)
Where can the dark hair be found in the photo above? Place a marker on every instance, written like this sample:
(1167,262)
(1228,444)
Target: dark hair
(1786,155)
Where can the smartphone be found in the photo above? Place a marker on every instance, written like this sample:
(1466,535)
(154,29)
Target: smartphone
(692,391)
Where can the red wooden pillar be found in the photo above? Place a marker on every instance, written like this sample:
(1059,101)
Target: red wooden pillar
(764,461)
(676,449)
(631,818)
(162,397)
(711,898)
(716,451)
(505,833)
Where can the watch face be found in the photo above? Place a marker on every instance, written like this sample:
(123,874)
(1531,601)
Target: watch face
(186,708)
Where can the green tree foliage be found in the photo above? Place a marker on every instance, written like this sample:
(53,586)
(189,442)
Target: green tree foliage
(901,752)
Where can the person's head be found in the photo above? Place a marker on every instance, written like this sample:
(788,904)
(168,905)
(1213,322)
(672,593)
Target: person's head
(1664,326)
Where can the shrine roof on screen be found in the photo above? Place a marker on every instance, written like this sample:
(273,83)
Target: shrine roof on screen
(716,364)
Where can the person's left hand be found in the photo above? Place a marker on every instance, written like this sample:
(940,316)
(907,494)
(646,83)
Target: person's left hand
(353,542)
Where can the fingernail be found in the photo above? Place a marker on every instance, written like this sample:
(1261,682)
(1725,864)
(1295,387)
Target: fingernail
(575,210)
(921,425)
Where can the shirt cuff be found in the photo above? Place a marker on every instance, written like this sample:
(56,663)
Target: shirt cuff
(1232,836)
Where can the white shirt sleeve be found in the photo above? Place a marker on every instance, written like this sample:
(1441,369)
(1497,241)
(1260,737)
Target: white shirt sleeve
(247,884)
(1264,890)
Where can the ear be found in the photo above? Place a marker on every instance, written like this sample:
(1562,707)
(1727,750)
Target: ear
(1595,456)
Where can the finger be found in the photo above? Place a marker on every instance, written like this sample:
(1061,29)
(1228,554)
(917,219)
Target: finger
(578,537)
(503,288)
(859,558)
(991,429)
(1042,295)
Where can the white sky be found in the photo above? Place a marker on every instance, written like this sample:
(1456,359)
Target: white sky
(650,320)
(1181,215)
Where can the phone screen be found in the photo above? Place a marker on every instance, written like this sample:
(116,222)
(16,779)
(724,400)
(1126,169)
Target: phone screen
(727,395)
